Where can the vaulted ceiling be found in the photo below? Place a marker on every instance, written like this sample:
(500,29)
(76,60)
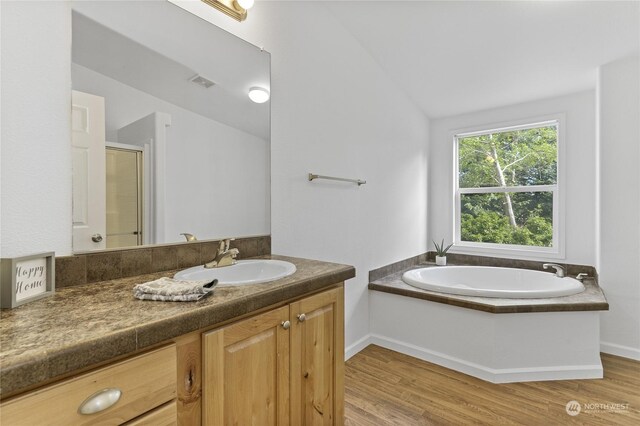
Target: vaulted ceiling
(454,57)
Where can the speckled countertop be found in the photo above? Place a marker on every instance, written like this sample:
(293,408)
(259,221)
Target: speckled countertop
(89,324)
(592,299)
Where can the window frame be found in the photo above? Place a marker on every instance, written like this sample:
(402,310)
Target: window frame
(556,251)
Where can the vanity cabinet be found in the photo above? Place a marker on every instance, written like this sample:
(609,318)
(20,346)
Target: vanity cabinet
(161,416)
(137,387)
(282,367)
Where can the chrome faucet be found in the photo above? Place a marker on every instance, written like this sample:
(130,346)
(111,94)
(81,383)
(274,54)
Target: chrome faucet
(224,255)
(189,237)
(559,268)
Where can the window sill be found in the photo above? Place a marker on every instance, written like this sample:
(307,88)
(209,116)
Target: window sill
(525,253)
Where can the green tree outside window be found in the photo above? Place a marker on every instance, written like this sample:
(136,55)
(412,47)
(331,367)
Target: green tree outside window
(508,159)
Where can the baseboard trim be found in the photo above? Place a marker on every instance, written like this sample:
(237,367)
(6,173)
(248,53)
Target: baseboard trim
(356,347)
(620,350)
(507,375)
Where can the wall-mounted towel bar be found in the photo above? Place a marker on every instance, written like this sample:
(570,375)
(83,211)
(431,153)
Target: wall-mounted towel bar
(358,181)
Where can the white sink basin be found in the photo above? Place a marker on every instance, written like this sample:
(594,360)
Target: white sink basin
(244,272)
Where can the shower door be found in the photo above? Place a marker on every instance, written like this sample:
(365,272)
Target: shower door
(124,196)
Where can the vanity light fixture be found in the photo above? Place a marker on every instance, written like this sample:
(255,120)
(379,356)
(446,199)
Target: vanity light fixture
(259,95)
(245,4)
(237,9)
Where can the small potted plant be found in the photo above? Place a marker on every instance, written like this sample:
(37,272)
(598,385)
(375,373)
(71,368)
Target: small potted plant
(441,253)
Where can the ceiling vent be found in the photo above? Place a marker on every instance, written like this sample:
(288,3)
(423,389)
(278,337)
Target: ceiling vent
(201,81)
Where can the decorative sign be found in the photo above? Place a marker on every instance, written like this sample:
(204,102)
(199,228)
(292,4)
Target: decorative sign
(26,278)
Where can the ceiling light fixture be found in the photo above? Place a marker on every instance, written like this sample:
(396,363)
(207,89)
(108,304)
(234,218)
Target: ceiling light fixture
(259,95)
(237,9)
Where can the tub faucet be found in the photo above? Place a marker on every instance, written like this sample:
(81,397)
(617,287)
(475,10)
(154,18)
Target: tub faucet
(582,276)
(559,268)
(224,255)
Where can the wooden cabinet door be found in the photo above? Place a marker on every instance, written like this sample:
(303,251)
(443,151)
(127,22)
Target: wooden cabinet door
(317,359)
(246,372)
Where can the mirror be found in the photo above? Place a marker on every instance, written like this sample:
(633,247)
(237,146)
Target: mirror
(165,138)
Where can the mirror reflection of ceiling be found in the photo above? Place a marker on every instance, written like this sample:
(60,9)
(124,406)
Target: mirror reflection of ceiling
(158,48)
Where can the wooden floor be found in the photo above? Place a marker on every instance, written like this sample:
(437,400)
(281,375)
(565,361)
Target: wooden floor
(383,387)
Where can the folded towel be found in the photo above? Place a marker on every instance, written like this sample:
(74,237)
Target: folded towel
(170,290)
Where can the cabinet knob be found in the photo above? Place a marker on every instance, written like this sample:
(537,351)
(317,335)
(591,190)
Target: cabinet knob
(302,317)
(100,401)
(96,238)
(286,325)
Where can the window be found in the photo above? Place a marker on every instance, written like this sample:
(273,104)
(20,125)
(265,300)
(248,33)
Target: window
(506,188)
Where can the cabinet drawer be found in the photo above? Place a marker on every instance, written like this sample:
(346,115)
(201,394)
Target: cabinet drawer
(162,416)
(145,381)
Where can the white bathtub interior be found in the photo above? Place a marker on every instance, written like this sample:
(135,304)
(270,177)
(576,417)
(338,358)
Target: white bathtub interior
(488,281)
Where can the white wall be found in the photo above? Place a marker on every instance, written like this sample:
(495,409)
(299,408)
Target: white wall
(580,185)
(335,112)
(201,154)
(35,151)
(619,175)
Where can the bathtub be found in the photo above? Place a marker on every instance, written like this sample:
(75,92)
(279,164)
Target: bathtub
(488,281)
(512,345)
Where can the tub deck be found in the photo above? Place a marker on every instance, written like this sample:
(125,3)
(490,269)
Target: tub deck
(592,299)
